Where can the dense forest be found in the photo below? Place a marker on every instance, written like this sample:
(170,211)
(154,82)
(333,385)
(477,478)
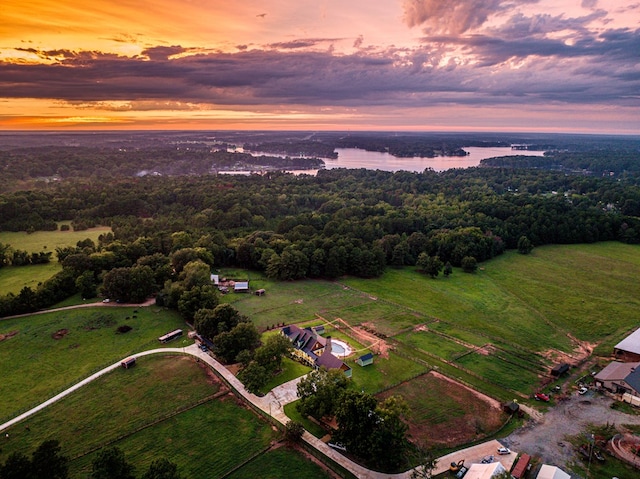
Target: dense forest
(339,222)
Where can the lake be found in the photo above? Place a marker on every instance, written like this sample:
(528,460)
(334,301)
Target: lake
(372,160)
(355,158)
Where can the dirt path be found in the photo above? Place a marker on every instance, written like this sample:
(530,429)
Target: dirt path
(547,437)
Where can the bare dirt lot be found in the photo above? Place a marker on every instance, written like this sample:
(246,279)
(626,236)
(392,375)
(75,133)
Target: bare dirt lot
(445,412)
(548,439)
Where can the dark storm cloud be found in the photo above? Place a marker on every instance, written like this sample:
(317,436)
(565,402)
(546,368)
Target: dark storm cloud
(590,68)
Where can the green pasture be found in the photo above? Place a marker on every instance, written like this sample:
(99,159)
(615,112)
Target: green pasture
(280,463)
(156,387)
(34,366)
(294,302)
(49,240)
(14,278)
(433,343)
(292,413)
(150,411)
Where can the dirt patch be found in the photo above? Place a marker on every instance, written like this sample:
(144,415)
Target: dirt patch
(60,333)
(8,335)
(366,336)
(581,351)
(445,413)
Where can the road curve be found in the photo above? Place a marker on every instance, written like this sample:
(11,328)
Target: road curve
(272,404)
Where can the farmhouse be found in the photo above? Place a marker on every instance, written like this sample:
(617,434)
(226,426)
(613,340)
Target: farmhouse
(313,350)
(628,350)
(620,377)
(485,471)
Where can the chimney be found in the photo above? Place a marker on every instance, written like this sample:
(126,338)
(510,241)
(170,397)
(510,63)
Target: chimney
(327,347)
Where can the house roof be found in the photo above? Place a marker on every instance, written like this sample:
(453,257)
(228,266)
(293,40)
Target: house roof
(521,466)
(484,471)
(631,343)
(308,341)
(366,357)
(552,472)
(241,285)
(616,371)
(633,379)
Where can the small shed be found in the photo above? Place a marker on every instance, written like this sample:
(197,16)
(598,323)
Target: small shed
(521,466)
(128,363)
(260,292)
(511,407)
(241,287)
(559,369)
(319,329)
(365,359)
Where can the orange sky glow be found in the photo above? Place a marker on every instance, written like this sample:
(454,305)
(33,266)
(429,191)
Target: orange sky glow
(404,65)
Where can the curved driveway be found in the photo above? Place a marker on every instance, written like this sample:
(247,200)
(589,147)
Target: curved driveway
(273,404)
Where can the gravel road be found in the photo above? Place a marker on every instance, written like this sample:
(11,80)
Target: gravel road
(547,438)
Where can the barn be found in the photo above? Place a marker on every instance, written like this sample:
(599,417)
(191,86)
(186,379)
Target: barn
(628,350)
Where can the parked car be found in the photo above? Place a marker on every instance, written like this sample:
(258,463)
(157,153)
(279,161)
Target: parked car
(541,397)
(504,450)
(487,459)
(582,390)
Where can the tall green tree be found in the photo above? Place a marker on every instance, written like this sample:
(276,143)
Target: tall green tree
(111,464)
(320,392)
(47,462)
(162,469)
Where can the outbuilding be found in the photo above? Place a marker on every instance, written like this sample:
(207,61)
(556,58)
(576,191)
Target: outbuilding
(628,350)
(128,363)
(365,359)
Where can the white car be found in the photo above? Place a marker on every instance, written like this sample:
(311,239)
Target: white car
(582,390)
(504,450)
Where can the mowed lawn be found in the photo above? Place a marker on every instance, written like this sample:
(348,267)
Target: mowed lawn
(13,279)
(34,365)
(152,411)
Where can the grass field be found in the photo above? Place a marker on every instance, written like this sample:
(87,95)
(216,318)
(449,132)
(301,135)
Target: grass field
(34,366)
(280,463)
(49,240)
(497,330)
(148,411)
(13,279)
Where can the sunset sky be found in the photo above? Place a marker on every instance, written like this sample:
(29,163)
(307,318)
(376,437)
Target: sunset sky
(432,65)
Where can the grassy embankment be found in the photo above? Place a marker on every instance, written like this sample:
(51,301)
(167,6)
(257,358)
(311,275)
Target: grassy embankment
(13,279)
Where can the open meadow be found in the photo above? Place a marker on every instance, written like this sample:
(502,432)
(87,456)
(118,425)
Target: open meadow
(13,279)
(499,330)
(449,346)
(42,354)
(167,406)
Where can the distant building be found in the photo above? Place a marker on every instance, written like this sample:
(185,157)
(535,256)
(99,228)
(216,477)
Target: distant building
(559,369)
(215,279)
(521,466)
(552,472)
(241,287)
(628,350)
(620,378)
(484,471)
(313,350)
